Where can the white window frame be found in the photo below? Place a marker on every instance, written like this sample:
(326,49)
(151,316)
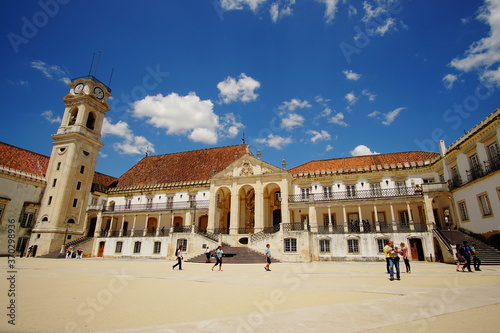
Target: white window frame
(484,204)
(324,246)
(353,246)
(290,245)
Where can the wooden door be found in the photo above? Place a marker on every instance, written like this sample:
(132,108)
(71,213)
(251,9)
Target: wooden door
(101,249)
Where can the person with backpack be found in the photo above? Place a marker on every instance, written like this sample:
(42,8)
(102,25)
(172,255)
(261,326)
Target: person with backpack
(178,254)
(218,257)
(466,252)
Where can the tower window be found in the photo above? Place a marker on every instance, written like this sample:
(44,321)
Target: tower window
(72,117)
(50,201)
(54,183)
(82,169)
(90,121)
(58,166)
(78,185)
(75,202)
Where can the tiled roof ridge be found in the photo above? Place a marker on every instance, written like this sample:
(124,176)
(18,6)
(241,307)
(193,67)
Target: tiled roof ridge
(197,150)
(27,150)
(353,157)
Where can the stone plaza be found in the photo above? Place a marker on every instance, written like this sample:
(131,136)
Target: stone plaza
(130,295)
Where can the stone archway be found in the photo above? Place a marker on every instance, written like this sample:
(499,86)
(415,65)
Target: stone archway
(246,221)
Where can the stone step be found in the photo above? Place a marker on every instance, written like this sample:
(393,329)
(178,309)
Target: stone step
(235,255)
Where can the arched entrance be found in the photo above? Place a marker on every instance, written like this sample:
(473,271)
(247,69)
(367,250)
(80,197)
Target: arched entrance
(247,210)
(91,228)
(203,222)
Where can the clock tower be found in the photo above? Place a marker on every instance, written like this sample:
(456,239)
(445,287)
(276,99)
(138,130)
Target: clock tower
(72,163)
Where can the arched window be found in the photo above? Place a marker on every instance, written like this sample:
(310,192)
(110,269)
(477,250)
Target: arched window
(90,121)
(72,116)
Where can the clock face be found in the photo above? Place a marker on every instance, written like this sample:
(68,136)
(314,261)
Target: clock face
(99,93)
(78,88)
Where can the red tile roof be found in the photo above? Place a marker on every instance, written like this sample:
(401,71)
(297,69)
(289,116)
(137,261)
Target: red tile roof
(23,160)
(367,163)
(196,165)
(27,161)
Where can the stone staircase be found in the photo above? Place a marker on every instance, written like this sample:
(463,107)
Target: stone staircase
(56,254)
(487,253)
(235,255)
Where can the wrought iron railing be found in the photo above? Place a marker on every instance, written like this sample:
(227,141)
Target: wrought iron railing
(385,227)
(158,206)
(224,231)
(246,230)
(420,227)
(475,173)
(294,226)
(354,195)
(182,229)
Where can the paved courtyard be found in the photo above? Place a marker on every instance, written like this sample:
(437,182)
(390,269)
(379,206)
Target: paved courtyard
(106,295)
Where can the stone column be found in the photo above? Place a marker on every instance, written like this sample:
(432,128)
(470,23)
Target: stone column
(98,225)
(393,219)
(259,210)
(313,218)
(375,221)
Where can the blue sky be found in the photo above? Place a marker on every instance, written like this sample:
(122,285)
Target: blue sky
(300,79)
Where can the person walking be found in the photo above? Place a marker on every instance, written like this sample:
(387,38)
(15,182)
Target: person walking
(218,257)
(178,254)
(268,257)
(207,254)
(460,258)
(404,250)
(475,257)
(466,252)
(69,252)
(79,253)
(393,254)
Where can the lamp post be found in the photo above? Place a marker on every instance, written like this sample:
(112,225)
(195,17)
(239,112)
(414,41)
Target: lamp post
(66,233)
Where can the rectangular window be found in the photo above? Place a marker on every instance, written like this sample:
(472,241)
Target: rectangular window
(401,186)
(50,201)
(78,186)
(170,202)
(128,203)
(352,246)
(324,245)
(327,192)
(351,191)
(58,166)
(157,247)
(403,216)
(290,245)
(75,202)
(463,211)
(493,151)
(2,208)
(54,182)
(82,169)
(149,203)
(27,218)
(304,192)
(118,248)
(184,244)
(485,204)
(21,243)
(381,243)
(137,247)
(326,219)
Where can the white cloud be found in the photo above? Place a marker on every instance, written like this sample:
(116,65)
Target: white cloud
(231,90)
(371,97)
(240,4)
(484,55)
(322,135)
(49,116)
(449,80)
(374,114)
(378,18)
(391,116)
(292,120)
(49,71)
(362,150)
(131,144)
(350,75)
(331,8)
(338,119)
(328,148)
(278,11)
(229,127)
(294,104)
(275,141)
(180,115)
(352,10)
(351,98)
